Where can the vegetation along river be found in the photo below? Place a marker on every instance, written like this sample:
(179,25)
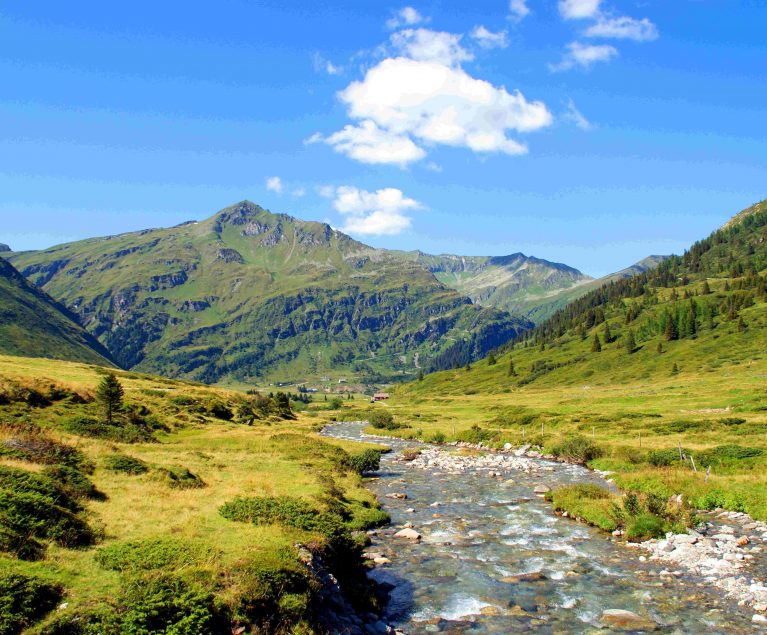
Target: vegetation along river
(495,558)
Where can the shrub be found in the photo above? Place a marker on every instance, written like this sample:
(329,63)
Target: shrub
(592,503)
(24,600)
(411,454)
(732,421)
(632,504)
(267,510)
(727,454)
(366,461)
(382,420)
(666,457)
(577,448)
(120,432)
(644,527)
(220,411)
(73,482)
(438,437)
(150,554)
(179,477)
(167,605)
(35,447)
(125,464)
(475,434)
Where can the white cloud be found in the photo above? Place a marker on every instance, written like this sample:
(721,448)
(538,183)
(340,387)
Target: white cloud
(624,28)
(406,16)
(403,102)
(577,117)
(299,192)
(326,191)
(322,65)
(489,40)
(367,143)
(578,9)
(518,9)
(383,212)
(431,46)
(274,184)
(584,55)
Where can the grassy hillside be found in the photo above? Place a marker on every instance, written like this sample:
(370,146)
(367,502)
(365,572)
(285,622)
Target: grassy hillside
(187,513)
(519,284)
(680,362)
(250,295)
(33,324)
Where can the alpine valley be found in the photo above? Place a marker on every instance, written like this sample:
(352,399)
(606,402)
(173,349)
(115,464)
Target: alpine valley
(248,295)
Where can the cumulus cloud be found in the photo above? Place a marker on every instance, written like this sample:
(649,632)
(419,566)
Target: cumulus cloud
(584,56)
(423,98)
(577,117)
(578,9)
(406,16)
(623,28)
(383,212)
(274,184)
(488,39)
(430,46)
(518,10)
(299,192)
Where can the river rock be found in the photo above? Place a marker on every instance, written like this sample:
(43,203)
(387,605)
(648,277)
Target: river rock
(397,495)
(408,534)
(381,560)
(627,621)
(759,619)
(742,541)
(541,489)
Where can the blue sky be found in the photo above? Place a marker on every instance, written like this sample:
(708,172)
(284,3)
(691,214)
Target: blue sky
(592,133)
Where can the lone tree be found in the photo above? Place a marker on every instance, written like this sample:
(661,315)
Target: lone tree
(596,345)
(420,375)
(110,396)
(608,334)
(512,370)
(491,360)
(631,344)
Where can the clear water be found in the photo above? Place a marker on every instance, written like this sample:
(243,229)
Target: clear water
(484,530)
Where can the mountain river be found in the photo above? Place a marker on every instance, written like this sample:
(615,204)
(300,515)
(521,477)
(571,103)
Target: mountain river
(494,558)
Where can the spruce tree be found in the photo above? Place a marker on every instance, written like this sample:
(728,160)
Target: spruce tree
(675,369)
(109,394)
(671,332)
(741,324)
(491,360)
(631,344)
(468,366)
(706,290)
(608,334)
(512,370)
(420,375)
(660,348)
(596,345)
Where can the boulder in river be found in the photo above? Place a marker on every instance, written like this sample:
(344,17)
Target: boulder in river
(397,495)
(408,534)
(620,619)
(542,489)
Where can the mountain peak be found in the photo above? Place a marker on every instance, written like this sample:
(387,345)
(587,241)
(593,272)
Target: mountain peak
(761,206)
(4,248)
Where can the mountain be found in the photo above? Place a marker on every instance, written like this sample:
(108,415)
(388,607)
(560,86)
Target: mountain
(249,294)
(545,307)
(33,324)
(515,283)
(4,248)
(697,312)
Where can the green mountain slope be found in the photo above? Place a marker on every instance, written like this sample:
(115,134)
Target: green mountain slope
(516,283)
(34,325)
(700,311)
(250,294)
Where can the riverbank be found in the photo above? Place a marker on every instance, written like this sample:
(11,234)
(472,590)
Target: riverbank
(506,471)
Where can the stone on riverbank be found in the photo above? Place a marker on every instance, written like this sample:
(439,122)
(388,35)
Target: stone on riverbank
(408,534)
(627,621)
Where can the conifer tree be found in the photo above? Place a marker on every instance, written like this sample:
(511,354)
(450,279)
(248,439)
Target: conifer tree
(631,344)
(608,334)
(741,324)
(660,348)
(109,394)
(596,345)
(420,375)
(671,332)
(512,370)
(706,290)
(491,360)
(468,366)
(675,369)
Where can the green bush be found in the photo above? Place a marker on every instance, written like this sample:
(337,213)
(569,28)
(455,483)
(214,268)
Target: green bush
(125,464)
(437,437)
(121,432)
(727,454)
(167,605)
(592,503)
(73,482)
(383,420)
(366,461)
(220,411)
(475,434)
(179,477)
(24,600)
(644,527)
(267,510)
(665,457)
(35,447)
(577,448)
(151,554)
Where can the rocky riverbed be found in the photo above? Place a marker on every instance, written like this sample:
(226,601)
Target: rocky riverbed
(474,547)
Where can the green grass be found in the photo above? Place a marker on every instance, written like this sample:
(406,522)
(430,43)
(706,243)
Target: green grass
(160,545)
